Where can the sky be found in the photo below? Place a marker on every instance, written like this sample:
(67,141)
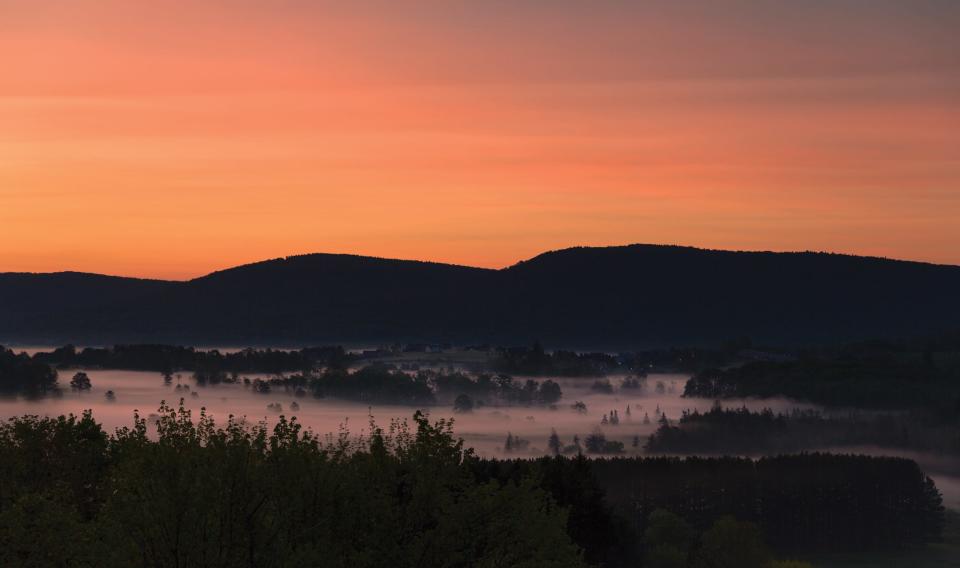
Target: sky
(168,139)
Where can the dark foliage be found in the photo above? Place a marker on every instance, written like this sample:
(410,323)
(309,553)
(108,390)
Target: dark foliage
(885,375)
(21,375)
(198,495)
(463,403)
(385,383)
(535,361)
(602,386)
(741,431)
(374,384)
(195,494)
(172,358)
(80,382)
(597,443)
(800,502)
(493,389)
(605,539)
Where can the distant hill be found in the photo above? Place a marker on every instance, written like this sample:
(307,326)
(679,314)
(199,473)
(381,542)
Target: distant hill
(613,297)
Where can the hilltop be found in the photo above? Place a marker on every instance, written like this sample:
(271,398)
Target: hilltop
(614,297)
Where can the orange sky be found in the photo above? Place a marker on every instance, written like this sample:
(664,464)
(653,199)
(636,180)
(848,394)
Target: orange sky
(171,138)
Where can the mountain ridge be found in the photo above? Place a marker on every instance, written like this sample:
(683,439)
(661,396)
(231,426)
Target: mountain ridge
(582,297)
(547,253)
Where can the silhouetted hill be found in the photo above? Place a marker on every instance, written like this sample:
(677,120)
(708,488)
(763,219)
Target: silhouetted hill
(582,297)
(324,297)
(38,307)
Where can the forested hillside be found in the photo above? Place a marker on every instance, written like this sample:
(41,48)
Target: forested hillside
(615,297)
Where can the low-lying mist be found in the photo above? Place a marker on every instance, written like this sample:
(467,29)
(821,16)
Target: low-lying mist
(486,428)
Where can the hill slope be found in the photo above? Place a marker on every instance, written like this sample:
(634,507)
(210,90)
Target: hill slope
(584,297)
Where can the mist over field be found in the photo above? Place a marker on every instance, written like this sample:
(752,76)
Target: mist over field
(484,429)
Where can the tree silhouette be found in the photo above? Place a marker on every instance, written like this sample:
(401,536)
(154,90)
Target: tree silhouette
(463,403)
(80,382)
(554,443)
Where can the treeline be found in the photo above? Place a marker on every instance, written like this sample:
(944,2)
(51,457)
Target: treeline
(381,383)
(744,432)
(193,494)
(486,388)
(864,383)
(172,358)
(535,361)
(20,375)
(892,374)
(687,359)
(803,502)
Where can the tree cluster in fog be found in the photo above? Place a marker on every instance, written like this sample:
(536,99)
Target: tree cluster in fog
(20,375)
(880,374)
(381,383)
(535,360)
(742,431)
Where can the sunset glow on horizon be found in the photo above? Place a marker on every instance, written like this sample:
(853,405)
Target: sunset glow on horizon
(170,139)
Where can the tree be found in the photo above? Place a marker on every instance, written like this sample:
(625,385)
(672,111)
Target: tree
(550,392)
(554,443)
(39,530)
(667,540)
(80,382)
(597,443)
(602,386)
(463,403)
(730,543)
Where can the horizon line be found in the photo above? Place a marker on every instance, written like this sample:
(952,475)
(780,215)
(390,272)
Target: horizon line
(492,269)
